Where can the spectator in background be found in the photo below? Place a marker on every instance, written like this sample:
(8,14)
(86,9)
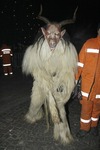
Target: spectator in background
(6,54)
(89,70)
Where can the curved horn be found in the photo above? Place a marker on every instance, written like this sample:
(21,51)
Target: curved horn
(44,19)
(40,10)
(69,21)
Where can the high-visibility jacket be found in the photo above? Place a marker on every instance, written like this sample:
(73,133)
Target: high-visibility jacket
(89,70)
(6,54)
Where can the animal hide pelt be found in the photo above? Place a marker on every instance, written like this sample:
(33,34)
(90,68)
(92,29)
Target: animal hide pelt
(54,73)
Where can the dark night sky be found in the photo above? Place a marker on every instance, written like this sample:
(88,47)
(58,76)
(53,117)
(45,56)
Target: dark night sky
(18,17)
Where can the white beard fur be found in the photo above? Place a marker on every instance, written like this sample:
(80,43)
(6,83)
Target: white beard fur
(54,74)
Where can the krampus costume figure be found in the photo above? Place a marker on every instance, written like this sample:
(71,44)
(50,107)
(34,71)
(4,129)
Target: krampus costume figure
(52,62)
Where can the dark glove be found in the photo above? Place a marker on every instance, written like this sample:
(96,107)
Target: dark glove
(76,94)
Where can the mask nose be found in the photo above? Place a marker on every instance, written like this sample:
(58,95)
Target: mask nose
(52,44)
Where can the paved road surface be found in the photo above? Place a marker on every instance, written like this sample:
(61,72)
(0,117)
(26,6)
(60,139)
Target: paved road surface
(16,134)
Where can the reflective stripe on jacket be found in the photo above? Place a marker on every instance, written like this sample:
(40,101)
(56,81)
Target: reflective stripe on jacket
(89,67)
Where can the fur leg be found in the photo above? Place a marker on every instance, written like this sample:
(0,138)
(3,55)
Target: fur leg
(32,119)
(35,110)
(62,133)
(61,130)
(53,109)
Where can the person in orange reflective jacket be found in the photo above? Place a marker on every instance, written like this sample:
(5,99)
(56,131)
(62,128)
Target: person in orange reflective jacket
(89,70)
(6,54)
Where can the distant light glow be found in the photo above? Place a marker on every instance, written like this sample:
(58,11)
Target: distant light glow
(20,18)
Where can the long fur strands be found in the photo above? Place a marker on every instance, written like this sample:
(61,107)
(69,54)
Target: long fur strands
(54,74)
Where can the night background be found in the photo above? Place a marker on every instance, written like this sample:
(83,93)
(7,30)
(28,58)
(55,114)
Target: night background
(18,23)
(18,28)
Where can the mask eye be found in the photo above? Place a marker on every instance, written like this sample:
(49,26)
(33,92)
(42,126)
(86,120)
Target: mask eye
(57,34)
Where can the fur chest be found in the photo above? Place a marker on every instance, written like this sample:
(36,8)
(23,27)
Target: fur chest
(52,62)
